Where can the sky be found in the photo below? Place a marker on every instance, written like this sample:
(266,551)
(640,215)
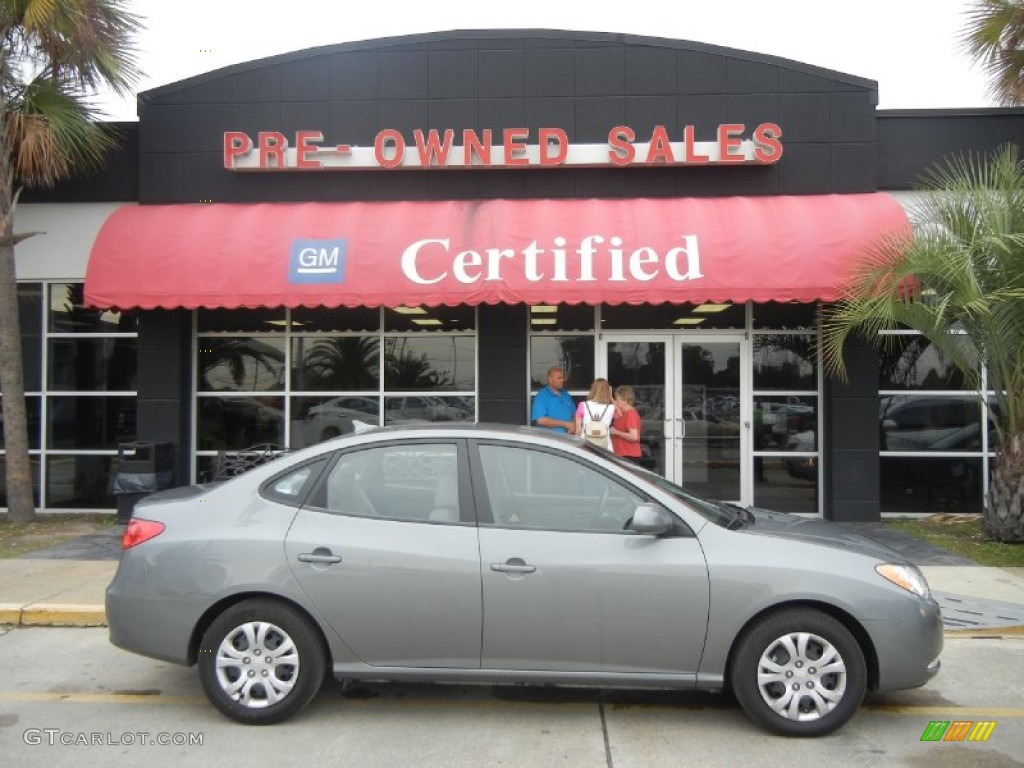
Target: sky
(909,46)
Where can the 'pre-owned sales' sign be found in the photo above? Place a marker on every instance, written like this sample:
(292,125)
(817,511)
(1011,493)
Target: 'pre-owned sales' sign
(510,148)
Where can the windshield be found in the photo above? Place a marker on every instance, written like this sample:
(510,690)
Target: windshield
(713,511)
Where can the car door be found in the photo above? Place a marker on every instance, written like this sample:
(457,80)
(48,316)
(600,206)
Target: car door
(387,551)
(565,587)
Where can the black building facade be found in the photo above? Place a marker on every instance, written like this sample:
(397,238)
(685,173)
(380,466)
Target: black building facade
(734,403)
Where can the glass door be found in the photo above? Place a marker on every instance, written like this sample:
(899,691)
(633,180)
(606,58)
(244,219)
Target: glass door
(709,424)
(692,399)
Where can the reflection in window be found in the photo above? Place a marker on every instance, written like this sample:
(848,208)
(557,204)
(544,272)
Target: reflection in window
(417,483)
(435,363)
(672,317)
(92,364)
(78,482)
(68,313)
(784,362)
(322,364)
(913,362)
(532,489)
(241,364)
(422,409)
(90,423)
(573,354)
(930,423)
(931,484)
(236,423)
(315,419)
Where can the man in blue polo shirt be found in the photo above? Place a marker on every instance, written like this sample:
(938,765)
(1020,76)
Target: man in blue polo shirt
(553,407)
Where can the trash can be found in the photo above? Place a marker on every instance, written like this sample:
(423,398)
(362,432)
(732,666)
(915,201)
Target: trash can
(142,468)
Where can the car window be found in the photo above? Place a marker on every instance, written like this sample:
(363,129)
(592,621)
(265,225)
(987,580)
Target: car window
(291,487)
(417,482)
(533,489)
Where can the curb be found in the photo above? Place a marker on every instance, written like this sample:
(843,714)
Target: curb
(53,615)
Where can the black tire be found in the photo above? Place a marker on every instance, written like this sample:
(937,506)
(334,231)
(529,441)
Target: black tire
(790,642)
(244,636)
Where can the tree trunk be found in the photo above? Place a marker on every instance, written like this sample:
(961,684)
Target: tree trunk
(20,506)
(1004,514)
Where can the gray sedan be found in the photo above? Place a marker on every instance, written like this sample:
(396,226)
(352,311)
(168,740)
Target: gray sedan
(510,555)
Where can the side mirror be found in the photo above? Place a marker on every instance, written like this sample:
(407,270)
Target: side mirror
(650,520)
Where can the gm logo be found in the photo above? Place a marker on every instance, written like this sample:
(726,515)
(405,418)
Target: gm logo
(317,261)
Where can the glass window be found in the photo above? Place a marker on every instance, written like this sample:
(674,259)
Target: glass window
(788,316)
(414,482)
(92,364)
(240,320)
(327,364)
(241,364)
(78,482)
(931,484)
(90,423)
(435,363)
(289,489)
(417,409)
(30,320)
(787,423)
(562,317)
(784,361)
(674,317)
(459,318)
(315,419)
(68,313)
(317,319)
(930,423)
(237,423)
(573,354)
(32,406)
(534,489)
(913,362)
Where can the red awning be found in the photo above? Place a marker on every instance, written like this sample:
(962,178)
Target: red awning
(735,249)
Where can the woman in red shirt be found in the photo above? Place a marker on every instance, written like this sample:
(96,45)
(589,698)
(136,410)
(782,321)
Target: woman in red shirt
(625,429)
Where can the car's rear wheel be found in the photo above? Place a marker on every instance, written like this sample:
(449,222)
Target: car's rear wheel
(261,661)
(799,672)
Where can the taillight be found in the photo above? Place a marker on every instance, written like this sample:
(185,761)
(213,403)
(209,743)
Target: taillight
(139,531)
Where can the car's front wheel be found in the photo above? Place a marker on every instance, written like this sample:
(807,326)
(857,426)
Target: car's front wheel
(260,662)
(799,672)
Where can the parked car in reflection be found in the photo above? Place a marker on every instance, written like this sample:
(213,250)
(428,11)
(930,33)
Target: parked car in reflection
(475,553)
(923,423)
(339,416)
(413,409)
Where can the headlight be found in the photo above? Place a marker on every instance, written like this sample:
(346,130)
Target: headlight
(906,576)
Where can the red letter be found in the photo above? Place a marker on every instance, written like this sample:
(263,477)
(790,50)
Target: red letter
(272,147)
(767,147)
(515,141)
(691,152)
(472,144)
(728,140)
(432,149)
(304,147)
(620,142)
(381,141)
(236,144)
(660,150)
(548,136)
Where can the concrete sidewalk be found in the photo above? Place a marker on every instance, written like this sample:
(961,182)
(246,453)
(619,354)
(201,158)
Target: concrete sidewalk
(65,585)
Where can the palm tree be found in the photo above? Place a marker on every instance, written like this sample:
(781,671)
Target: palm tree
(960,283)
(994,37)
(53,55)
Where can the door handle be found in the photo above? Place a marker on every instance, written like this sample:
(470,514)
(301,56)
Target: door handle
(319,555)
(515,565)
